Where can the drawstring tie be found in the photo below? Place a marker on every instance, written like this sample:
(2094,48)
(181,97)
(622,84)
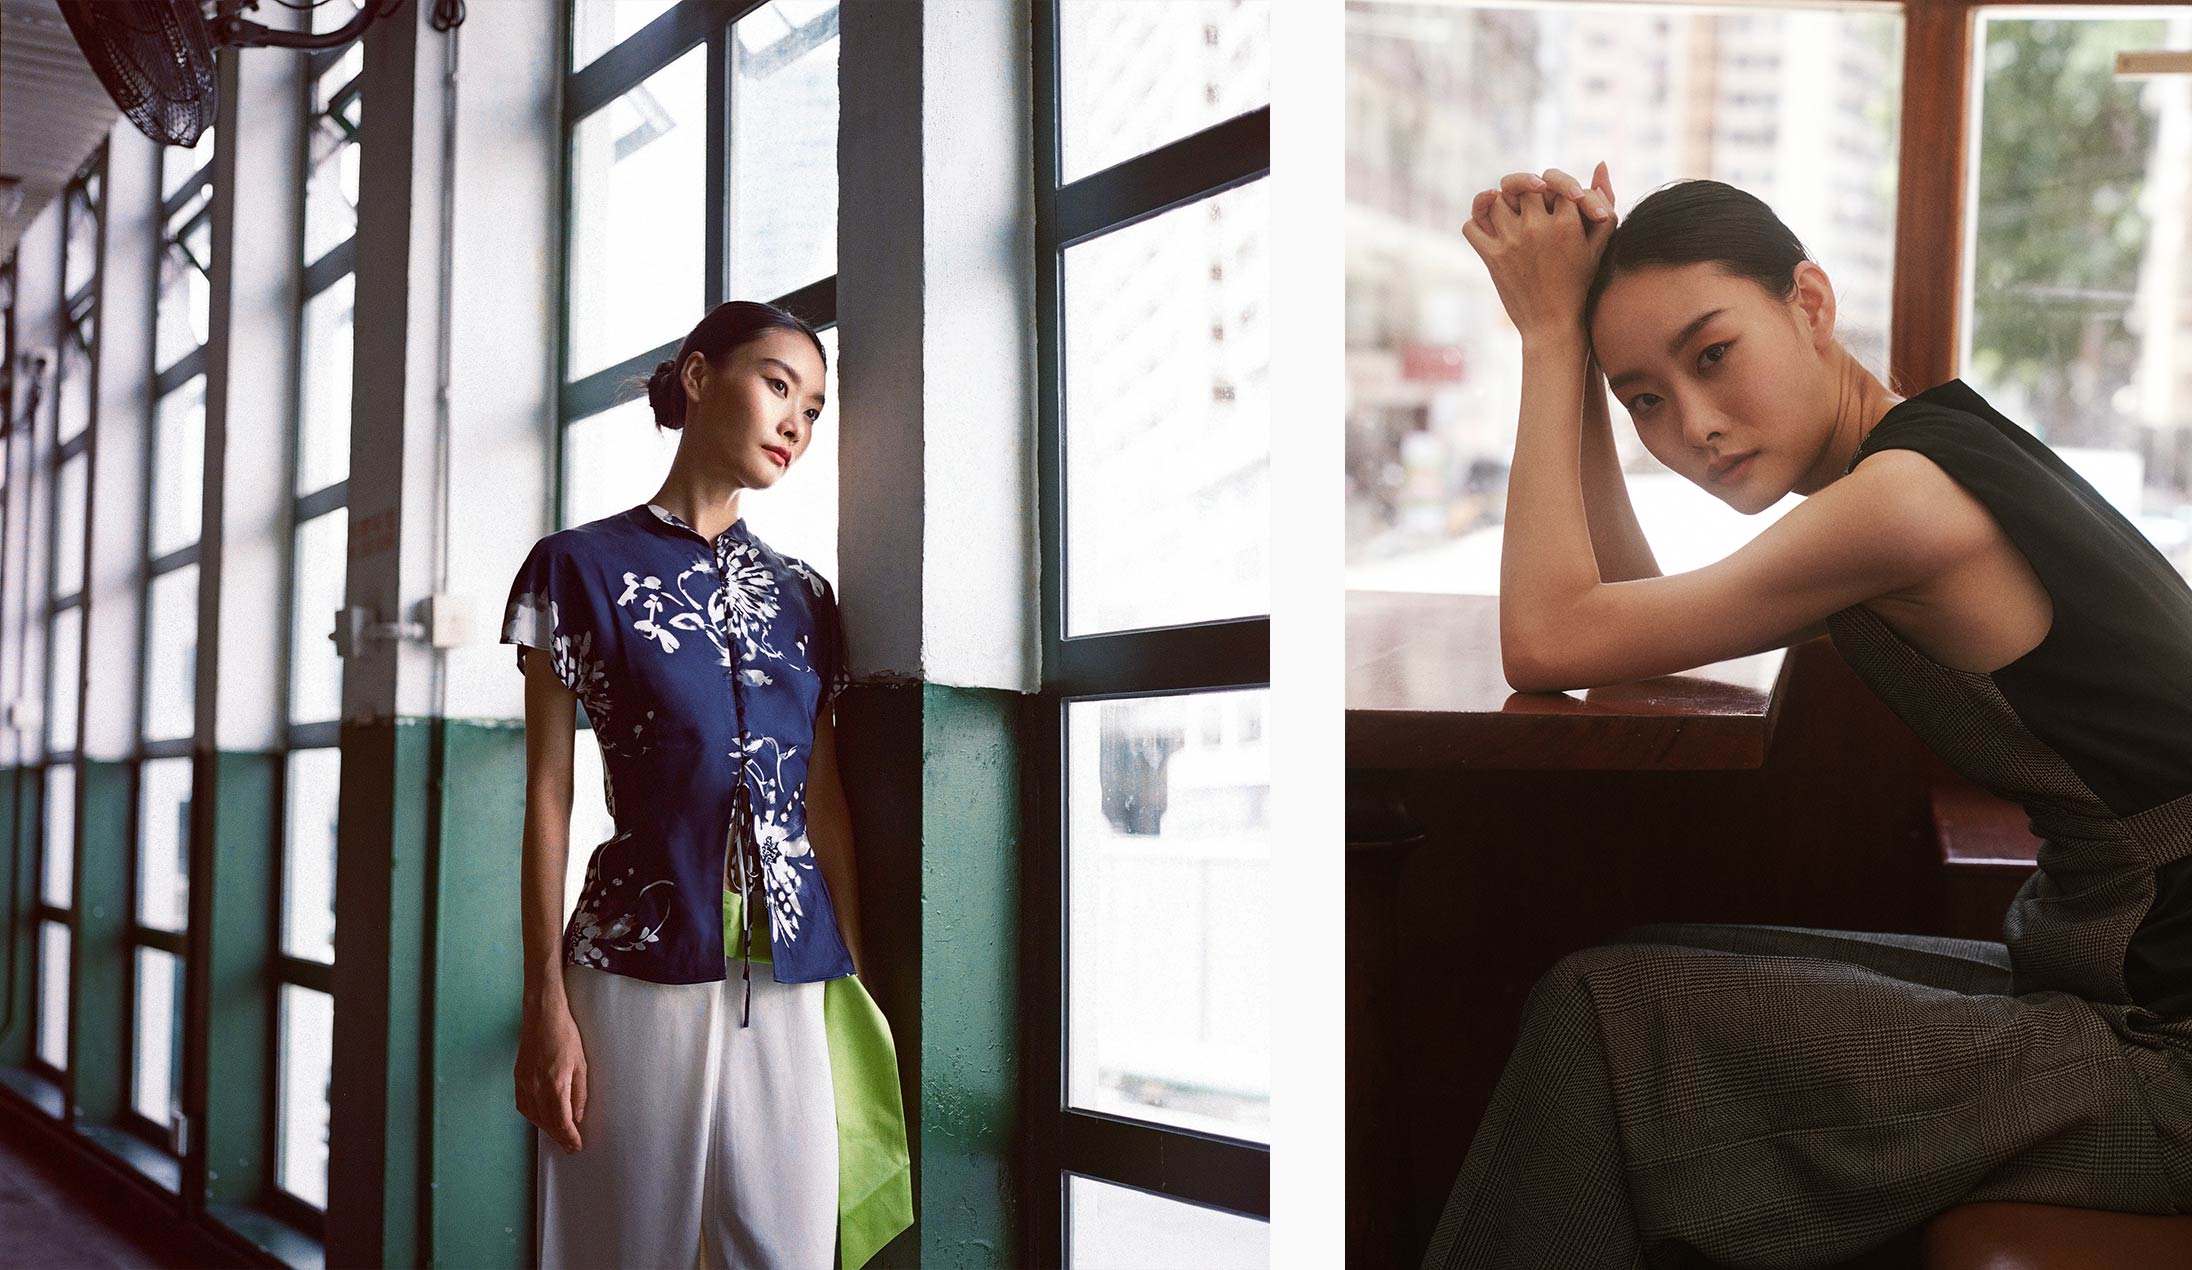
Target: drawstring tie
(742,833)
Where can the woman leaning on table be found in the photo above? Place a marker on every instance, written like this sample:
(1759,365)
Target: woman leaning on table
(1773,1096)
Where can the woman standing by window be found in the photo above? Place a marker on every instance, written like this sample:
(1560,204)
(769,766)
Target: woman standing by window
(682,1110)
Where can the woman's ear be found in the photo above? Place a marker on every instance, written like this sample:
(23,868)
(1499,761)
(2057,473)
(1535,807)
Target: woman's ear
(1815,299)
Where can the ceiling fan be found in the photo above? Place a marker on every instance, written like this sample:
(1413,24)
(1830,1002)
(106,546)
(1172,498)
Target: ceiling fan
(155,57)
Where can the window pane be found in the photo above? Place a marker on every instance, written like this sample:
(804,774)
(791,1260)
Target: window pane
(308,1051)
(637,166)
(600,25)
(798,514)
(615,460)
(163,845)
(323,431)
(53,993)
(82,248)
(68,652)
(179,163)
(1167,418)
(1135,75)
(59,872)
(783,211)
(178,467)
(72,395)
(69,505)
(315,687)
(157,1089)
(308,861)
(1114,1227)
(1170,1020)
(186,297)
(2077,255)
(331,183)
(1798,107)
(171,655)
(330,15)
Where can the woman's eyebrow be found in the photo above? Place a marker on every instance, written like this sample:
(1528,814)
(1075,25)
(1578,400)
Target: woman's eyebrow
(791,374)
(1674,345)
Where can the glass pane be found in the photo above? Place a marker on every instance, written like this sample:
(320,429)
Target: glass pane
(1799,107)
(2076,254)
(59,854)
(82,248)
(637,166)
(615,460)
(171,655)
(307,1058)
(157,1090)
(179,163)
(1167,418)
(186,297)
(53,993)
(67,685)
(72,400)
(315,685)
(163,845)
(331,184)
(308,860)
(1135,75)
(323,430)
(600,25)
(783,210)
(178,467)
(798,514)
(1170,1020)
(1116,1227)
(70,502)
(330,15)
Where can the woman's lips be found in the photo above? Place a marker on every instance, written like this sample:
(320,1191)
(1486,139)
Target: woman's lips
(1740,466)
(783,457)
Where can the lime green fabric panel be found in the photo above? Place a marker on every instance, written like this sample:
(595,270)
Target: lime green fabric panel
(874,1166)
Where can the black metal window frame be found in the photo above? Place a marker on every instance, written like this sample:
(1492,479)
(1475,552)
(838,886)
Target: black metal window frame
(79,311)
(284,968)
(173,233)
(1212,1170)
(592,88)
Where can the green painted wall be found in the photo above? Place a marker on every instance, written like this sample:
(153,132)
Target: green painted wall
(99,966)
(970,830)
(480,1197)
(933,775)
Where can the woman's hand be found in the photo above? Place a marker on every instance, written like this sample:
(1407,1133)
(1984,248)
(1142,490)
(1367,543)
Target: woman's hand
(1540,254)
(551,1073)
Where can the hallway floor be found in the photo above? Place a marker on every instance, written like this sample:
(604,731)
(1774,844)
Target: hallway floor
(49,1228)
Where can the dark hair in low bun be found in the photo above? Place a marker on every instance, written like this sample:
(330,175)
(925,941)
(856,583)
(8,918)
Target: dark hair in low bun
(724,328)
(1701,221)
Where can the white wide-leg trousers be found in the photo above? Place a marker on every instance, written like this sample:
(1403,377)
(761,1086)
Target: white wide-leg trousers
(703,1143)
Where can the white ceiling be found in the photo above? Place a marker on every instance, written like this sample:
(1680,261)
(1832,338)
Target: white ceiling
(53,111)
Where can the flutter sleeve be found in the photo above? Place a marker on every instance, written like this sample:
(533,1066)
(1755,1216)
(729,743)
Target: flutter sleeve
(829,649)
(550,609)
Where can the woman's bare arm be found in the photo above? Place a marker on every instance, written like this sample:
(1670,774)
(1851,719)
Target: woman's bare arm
(829,827)
(1884,527)
(1617,540)
(550,1072)
(551,718)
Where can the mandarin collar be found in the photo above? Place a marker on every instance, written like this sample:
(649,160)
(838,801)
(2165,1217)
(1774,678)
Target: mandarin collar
(664,516)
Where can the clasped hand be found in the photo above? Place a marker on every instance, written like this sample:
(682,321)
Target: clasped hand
(1541,238)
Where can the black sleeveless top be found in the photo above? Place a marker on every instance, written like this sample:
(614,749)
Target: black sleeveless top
(2091,729)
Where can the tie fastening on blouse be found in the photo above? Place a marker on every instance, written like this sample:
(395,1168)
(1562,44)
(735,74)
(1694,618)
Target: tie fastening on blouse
(742,834)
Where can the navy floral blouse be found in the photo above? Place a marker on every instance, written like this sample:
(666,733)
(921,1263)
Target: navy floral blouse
(703,668)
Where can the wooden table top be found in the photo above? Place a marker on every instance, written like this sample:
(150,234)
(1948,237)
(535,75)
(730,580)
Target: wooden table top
(1425,690)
